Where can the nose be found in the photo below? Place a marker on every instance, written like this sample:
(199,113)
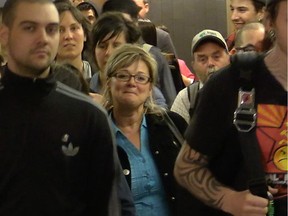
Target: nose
(42,35)
(67,34)
(234,15)
(211,62)
(109,51)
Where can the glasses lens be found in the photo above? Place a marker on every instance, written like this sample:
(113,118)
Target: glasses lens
(141,78)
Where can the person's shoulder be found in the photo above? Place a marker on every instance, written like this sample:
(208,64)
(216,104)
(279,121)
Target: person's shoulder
(77,97)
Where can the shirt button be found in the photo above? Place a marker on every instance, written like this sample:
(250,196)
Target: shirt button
(126,172)
(165,174)
(173,198)
(157,152)
(174,142)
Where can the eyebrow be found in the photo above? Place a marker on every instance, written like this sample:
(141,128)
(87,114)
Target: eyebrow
(27,22)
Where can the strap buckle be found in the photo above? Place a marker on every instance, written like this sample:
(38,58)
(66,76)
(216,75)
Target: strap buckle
(245,115)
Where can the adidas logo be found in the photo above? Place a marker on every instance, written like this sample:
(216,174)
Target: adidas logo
(70,150)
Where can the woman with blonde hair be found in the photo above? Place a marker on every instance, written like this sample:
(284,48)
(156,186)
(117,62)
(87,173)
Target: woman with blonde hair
(147,146)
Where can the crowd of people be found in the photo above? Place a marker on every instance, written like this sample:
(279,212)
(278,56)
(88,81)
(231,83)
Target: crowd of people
(100,116)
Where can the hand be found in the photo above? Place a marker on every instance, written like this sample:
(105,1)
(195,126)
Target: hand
(96,97)
(244,204)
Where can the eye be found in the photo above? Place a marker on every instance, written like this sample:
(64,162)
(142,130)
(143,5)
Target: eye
(29,28)
(52,29)
(102,46)
(123,76)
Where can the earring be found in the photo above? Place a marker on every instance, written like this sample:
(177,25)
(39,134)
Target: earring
(271,34)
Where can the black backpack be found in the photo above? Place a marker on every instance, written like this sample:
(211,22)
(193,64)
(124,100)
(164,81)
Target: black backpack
(192,91)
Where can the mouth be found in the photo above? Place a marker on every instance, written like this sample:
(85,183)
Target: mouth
(68,45)
(238,25)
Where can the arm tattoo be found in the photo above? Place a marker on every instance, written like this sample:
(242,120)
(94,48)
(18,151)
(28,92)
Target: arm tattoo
(194,175)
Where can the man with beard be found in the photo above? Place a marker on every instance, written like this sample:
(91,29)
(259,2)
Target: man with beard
(209,53)
(56,147)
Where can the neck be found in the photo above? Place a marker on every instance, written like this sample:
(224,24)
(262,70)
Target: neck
(28,72)
(127,118)
(276,62)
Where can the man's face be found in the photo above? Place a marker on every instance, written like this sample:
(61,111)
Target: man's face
(208,58)
(76,2)
(145,8)
(242,12)
(253,40)
(89,14)
(32,39)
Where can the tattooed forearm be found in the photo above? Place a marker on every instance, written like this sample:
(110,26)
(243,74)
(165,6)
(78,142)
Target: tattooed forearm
(192,173)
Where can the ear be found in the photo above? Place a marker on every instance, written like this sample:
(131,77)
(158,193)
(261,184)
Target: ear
(233,51)
(4,35)
(260,14)
(146,6)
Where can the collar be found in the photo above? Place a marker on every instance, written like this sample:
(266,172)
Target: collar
(117,130)
(35,86)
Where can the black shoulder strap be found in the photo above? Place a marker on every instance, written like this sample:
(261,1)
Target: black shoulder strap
(192,96)
(174,129)
(245,63)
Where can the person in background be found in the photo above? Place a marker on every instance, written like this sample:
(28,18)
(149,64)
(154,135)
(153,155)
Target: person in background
(147,148)
(164,40)
(165,79)
(70,76)
(74,36)
(111,31)
(88,9)
(209,53)
(243,12)
(76,2)
(211,164)
(250,38)
(57,151)
(187,76)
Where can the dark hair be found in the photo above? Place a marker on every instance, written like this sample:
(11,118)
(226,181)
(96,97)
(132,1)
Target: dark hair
(8,14)
(124,6)
(272,9)
(258,4)
(148,31)
(84,6)
(115,23)
(70,76)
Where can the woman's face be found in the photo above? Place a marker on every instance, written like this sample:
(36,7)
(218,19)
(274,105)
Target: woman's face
(72,37)
(106,47)
(131,93)
(242,12)
(281,26)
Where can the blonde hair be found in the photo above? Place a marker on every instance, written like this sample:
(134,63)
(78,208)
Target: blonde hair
(123,57)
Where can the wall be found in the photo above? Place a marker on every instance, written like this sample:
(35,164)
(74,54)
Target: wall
(185,18)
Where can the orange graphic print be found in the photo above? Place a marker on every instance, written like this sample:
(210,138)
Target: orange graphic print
(272,136)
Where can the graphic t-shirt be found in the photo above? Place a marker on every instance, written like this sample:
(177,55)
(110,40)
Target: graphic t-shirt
(272,137)
(213,133)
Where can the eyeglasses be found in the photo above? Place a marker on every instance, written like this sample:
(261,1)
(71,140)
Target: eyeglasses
(125,77)
(248,48)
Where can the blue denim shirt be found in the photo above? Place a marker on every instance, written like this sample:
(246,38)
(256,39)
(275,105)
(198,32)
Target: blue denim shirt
(146,185)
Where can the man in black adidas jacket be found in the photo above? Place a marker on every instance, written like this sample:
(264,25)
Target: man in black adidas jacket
(56,148)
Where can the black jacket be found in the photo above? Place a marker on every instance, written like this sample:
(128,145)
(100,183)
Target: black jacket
(56,150)
(165,148)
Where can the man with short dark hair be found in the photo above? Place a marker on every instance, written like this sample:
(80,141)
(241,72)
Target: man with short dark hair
(234,159)
(88,9)
(56,148)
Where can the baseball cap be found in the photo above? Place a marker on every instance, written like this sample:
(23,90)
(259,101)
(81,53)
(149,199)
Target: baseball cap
(208,34)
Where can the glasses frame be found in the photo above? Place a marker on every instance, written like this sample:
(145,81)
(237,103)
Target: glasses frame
(129,76)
